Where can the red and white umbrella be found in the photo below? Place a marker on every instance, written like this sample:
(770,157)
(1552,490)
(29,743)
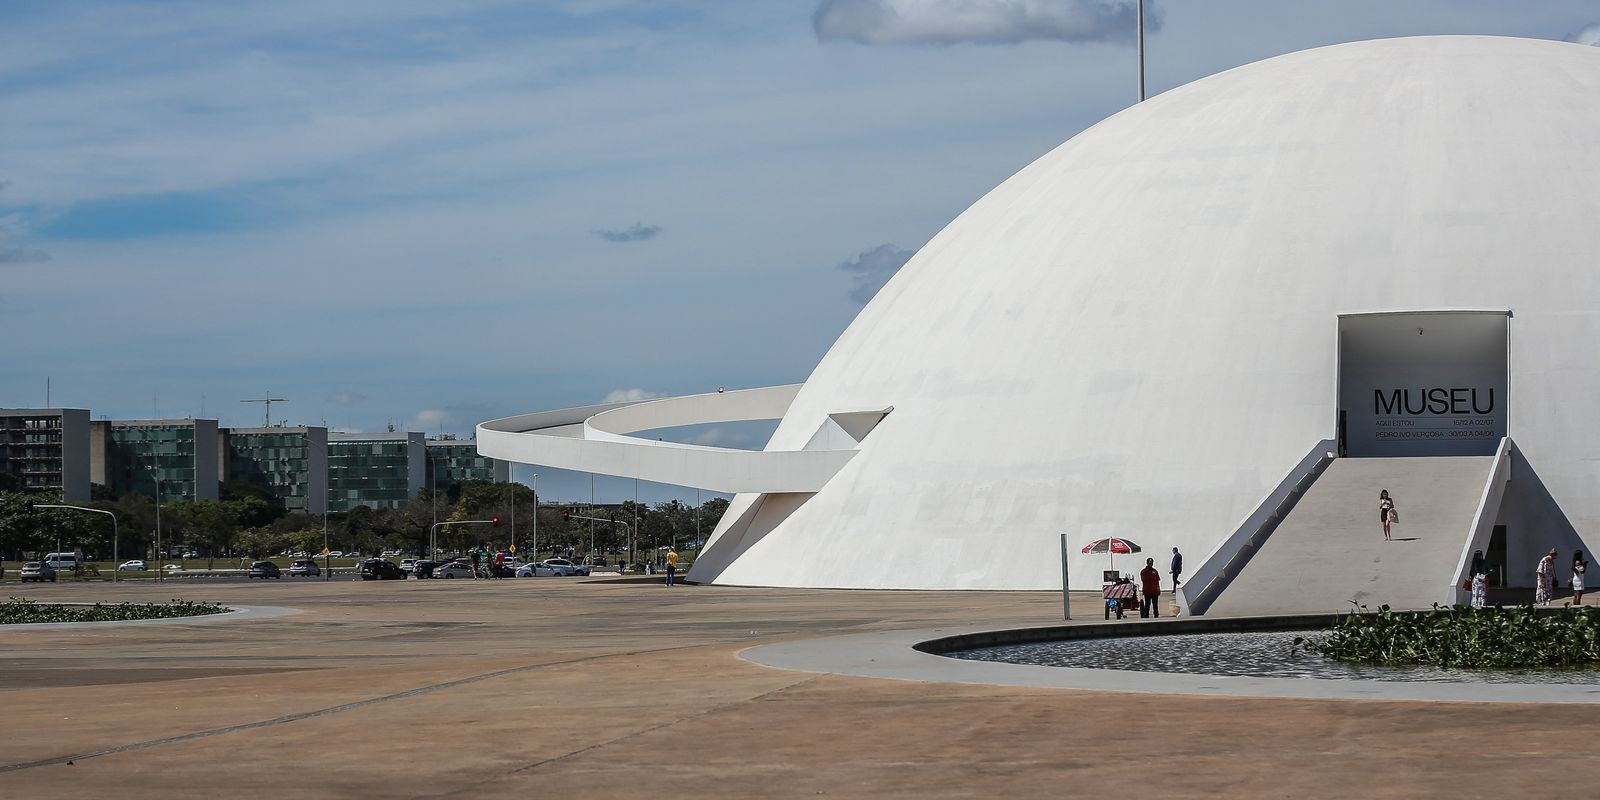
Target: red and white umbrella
(1113,546)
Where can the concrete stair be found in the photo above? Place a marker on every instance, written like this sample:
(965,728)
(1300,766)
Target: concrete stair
(1329,550)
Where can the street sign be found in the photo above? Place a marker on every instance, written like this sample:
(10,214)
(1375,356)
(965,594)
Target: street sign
(326,551)
(513,549)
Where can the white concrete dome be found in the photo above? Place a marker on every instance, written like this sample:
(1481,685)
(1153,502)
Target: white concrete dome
(1137,334)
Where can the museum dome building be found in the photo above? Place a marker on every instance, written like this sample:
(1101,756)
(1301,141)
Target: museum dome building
(1221,320)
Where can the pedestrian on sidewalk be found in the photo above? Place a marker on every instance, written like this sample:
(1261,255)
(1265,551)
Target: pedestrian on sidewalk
(1386,513)
(672,565)
(1545,587)
(1151,578)
(1580,565)
(1177,567)
(475,558)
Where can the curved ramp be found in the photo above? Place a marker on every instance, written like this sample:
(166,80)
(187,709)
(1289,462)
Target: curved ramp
(595,439)
(1330,551)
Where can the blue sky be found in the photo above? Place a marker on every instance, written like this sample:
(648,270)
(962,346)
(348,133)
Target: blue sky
(436,213)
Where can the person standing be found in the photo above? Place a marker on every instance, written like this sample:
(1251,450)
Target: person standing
(1150,577)
(1177,567)
(1545,588)
(672,565)
(1580,565)
(475,557)
(1386,513)
(1480,579)
(499,563)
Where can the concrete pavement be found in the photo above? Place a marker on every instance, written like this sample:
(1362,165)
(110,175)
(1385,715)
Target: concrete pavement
(561,688)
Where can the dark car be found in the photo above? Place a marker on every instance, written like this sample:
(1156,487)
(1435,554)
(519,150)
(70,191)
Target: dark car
(376,569)
(265,570)
(424,568)
(38,571)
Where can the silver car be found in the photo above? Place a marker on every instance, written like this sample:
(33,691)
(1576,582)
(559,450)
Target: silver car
(562,566)
(452,569)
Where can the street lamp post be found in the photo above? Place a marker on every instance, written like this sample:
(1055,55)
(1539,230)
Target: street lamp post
(160,573)
(535,487)
(116,537)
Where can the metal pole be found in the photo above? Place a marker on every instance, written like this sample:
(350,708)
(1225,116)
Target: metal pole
(632,536)
(1066,599)
(1141,51)
(513,487)
(327,560)
(591,521)
(160,573)
(535,487)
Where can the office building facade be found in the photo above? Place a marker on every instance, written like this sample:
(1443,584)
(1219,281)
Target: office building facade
(47,451)
(452,462)
(171,460)
(291,463)
(376,470)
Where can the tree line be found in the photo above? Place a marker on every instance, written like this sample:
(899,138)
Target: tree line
(248,522)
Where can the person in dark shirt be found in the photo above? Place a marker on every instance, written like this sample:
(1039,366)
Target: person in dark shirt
(1177,567)
(1150,577)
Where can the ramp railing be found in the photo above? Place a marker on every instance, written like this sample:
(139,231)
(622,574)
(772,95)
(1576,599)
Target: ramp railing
(1483,519)
(1227,559)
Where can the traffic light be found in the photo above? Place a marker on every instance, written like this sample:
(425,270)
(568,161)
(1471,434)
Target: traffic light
(566,516)
(495,521)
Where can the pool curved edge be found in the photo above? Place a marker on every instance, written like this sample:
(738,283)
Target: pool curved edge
(912,655)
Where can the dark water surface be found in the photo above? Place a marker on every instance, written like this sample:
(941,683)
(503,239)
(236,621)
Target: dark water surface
(1267,654)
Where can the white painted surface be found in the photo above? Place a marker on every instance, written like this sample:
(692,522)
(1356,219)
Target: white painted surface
(1136,334)
(595,439)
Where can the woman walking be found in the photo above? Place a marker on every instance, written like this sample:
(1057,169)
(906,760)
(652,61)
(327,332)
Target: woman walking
(1386,512)
(1480,579)
(1546,575)
(1580,565)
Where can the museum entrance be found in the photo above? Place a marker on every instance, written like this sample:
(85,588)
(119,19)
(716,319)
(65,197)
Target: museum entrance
(1422,383)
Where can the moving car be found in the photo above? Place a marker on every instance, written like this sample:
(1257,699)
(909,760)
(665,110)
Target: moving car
(265,570)
(562,566)
(305,567)
(534,571)
(136,565)
(38,571)
(376,569)
(453,569)
(63,561)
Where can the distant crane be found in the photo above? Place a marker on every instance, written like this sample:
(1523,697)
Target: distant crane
(268,400)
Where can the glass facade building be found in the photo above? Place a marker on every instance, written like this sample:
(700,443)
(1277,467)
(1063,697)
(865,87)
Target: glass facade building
(137,456)
(455,461)
(291,463)
(46,450)
(376,470)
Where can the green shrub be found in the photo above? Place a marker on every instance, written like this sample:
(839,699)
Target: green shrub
(19,610)
(1465,637)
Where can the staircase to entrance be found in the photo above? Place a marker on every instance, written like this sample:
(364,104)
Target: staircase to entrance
(1328,550)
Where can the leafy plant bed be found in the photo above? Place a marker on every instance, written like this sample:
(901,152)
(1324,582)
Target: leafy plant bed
(1461,637)
(18,611)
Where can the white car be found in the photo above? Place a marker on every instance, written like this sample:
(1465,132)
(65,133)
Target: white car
(408,565)
(452,569)
(132,566)
(535,571)
(563,566)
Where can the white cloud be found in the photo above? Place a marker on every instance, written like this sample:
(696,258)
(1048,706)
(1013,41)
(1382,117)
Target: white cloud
(1589,36)
(978,21)
(429,419)
(345,397)
(628,396)
(873,268)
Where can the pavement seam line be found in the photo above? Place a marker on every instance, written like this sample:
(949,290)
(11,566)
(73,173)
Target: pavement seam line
(658,726)
(321,712)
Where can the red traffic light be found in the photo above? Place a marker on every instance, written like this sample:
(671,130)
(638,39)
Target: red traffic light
(495,521)
(566,516)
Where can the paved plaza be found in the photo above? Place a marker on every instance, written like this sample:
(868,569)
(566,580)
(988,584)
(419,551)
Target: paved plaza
(574,688)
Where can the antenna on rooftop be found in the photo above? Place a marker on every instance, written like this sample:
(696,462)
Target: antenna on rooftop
(268,400)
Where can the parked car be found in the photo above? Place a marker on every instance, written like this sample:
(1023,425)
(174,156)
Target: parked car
(376,569)
(305,567)
(424,567)
(136,565)
(408,565)
(38,571)
(453,569)
(562,566)
(265,570)
(535,571)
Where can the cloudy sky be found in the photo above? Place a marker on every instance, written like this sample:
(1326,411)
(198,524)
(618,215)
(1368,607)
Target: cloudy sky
(434,213)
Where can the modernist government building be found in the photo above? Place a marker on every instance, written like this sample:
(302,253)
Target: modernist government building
(1221,320)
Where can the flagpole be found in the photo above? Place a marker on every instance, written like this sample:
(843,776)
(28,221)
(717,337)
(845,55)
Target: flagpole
(1141,50)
